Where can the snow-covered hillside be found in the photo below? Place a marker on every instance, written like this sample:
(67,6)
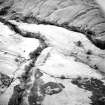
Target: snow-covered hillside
(52,52)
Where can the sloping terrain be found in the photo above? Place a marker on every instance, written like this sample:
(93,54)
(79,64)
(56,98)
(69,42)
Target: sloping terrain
(52,52)
(79,15)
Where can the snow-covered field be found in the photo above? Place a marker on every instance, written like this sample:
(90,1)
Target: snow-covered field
(43,62)
(67,56)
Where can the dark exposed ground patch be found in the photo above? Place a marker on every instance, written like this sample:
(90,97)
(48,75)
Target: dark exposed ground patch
(41,89)
(96,86)
(6,80)
(51,88)
(16,98)
(4,11)
(36,96)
